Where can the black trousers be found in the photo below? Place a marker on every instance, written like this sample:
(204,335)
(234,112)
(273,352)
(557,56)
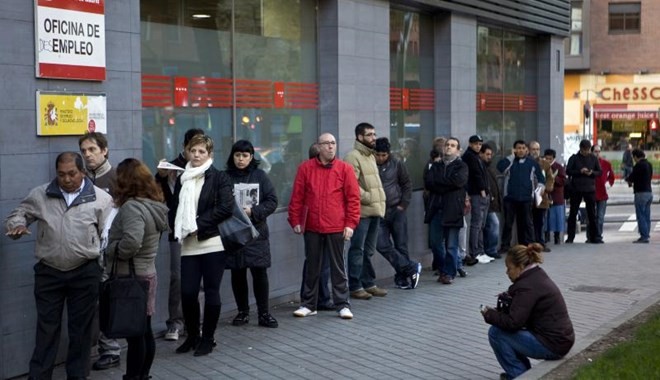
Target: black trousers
(590,202)
(316,245)
(196,269)
(521,213)
(79,288)
(239,286)
(140,354)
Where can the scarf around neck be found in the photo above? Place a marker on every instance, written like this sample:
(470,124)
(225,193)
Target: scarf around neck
(185,221)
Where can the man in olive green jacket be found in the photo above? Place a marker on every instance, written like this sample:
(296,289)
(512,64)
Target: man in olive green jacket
(361,274)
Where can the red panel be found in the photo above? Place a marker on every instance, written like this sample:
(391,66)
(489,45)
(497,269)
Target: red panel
(156,91)
(489,101)
(254,93)
(81,6)
(50,70)
(301,95)
(395,98)
(211,92)
(422,99)
(405,98)
(278,94)
(180,92)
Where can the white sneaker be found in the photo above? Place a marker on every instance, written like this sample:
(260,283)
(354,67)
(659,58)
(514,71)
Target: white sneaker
(303,312)
(345,313)
(484,259)
(172,334)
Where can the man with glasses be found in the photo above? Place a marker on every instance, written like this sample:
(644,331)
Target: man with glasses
(606,176)
(361,274)
(325,208)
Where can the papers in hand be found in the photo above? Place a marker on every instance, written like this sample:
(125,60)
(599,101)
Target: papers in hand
(167,166)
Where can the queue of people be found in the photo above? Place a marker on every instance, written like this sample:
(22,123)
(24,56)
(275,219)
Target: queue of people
(361,200)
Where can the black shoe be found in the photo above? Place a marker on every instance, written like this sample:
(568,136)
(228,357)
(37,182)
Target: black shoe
(569,241)
(205,347)
(470,261)
(557,239)
(190,343)
(599,241)
(105,362)
(461,272)
(267,320)
(641,240)
(241,319)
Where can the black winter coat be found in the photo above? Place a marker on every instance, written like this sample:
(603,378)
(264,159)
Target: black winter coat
(446,183)
(215,203)
(580,182)
(255,254)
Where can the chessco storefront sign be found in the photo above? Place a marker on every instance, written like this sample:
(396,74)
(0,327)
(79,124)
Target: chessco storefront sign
(70,39)
(627,93)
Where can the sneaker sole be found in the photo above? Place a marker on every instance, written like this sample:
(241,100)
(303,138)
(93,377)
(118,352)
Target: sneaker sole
(313,313)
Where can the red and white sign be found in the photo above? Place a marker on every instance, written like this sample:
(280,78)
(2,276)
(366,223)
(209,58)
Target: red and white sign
(70,39)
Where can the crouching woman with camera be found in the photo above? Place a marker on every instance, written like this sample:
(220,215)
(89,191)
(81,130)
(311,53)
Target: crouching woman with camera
(536,323)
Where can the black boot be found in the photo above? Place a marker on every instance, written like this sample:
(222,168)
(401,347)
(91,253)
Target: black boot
(211,316)
(267,320)
(191,318)
(557,239)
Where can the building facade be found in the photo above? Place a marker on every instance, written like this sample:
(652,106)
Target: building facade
(279,73)
(612,85)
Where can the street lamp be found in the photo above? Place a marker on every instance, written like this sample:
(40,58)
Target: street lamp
(588,111)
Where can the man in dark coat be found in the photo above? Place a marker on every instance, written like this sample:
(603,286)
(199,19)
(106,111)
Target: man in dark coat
(478,189)
(583,168)
(491,230)
(640,180)
(446,180)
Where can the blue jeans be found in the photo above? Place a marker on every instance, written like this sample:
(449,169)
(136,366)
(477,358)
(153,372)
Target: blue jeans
(361,273)
(451,262)
(513,350)
(478,217)
(491,234)
(395,224)
(643,213)
(601,207)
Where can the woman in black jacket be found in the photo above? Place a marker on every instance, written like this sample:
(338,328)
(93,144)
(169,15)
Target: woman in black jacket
(256,195)
(203,199)
(533,321)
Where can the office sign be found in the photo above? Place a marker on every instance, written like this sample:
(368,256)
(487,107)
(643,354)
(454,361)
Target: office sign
(61,114)
(70,39)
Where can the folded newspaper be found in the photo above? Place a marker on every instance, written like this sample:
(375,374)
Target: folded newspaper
(167,166)
(246,194)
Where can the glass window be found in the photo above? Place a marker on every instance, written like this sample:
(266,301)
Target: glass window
(412,94)
(574,42)
(506,87)
(625,18)
(254,79)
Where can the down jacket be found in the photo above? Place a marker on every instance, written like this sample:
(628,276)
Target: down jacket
(135,233)
(325,198)
(255,254)
(67,237)
(372,194)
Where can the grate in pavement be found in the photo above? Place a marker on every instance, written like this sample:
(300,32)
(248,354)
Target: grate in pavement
(600,289)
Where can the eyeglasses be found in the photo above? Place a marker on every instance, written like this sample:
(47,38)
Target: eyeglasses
(328,143)
(370,134)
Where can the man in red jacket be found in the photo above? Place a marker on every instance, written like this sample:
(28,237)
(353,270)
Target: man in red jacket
(606,176)
(325,208)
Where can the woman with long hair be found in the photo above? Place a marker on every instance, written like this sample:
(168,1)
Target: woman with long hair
(253,185)
(135,234)
(203,199)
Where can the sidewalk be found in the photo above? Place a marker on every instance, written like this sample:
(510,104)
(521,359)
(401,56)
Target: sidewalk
(433,332)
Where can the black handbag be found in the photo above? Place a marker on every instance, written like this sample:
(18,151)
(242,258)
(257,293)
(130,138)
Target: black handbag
(123,304)
(237,230)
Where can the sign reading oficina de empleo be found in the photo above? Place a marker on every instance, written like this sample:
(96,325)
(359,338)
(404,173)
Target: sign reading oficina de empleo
(70,39)
(60,113)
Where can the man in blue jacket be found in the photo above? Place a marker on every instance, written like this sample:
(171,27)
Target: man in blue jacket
(519,170)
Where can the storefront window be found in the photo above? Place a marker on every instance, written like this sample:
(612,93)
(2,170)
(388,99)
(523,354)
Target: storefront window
(412,96)
(254,79)
(506,88)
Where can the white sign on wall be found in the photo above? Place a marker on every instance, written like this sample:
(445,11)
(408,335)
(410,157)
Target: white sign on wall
(70,39)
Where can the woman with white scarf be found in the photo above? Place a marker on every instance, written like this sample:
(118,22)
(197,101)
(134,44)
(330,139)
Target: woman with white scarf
(203,199)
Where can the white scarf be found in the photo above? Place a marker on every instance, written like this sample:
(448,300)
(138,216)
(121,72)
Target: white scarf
(186,214)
